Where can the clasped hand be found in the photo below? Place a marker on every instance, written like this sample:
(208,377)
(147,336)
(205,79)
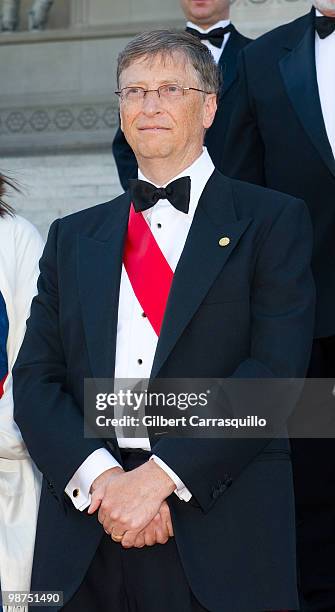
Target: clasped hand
(132,504)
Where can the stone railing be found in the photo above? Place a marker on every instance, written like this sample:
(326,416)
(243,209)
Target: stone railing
(126,17)
(37,15)
(59,83)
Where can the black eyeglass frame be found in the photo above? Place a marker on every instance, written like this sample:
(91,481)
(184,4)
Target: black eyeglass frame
(145,91)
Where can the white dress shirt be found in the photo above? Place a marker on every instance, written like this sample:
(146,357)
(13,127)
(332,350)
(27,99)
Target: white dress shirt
(325,71)
(216,51)
(136,340)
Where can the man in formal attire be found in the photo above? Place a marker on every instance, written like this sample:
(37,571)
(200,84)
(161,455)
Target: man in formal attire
(282,136)
(187,275)
(210,22)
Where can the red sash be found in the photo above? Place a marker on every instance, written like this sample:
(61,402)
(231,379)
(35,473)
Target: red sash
(149,273)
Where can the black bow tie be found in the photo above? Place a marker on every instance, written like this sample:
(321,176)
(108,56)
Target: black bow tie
(324,26)
(145,195)
(215,36)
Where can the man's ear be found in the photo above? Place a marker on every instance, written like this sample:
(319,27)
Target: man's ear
(210,107)
(121,122)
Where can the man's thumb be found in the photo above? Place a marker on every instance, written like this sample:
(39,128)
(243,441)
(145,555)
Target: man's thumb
(96,500)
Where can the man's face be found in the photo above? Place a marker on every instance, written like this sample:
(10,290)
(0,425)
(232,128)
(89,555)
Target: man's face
(205,12)
(326,7)
(159,128)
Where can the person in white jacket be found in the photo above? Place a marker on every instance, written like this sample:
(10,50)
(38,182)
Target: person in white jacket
(20,250)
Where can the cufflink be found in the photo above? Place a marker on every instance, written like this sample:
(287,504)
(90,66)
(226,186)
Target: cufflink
(223,242)
(75,492)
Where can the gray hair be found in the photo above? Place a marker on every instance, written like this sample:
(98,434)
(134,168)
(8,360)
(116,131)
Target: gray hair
(167,42)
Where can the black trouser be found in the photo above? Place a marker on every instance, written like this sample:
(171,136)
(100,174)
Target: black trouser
(149,579)
(314,476)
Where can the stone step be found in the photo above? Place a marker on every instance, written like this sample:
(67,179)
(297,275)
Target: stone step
(53,186)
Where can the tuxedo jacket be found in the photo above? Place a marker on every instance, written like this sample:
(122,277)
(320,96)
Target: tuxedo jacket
(245,310)
(123,154)
(277,138)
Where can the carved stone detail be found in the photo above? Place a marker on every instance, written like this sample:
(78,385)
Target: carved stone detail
(58,119)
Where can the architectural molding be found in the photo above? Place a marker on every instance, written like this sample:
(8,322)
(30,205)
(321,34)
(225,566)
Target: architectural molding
(239,3)
(64,126)
(85,32)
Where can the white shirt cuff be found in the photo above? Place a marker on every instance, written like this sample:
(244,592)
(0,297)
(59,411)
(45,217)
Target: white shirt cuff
(181,491)
(78,488)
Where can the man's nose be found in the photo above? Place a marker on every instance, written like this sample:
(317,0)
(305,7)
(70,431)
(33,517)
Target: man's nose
(152,102)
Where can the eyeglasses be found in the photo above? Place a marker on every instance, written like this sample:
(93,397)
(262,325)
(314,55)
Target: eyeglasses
(166,92)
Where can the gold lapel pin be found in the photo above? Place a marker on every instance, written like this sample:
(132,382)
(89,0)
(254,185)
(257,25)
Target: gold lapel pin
(224,241)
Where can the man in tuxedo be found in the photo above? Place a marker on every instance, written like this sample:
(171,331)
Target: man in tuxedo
(210,22)
(282,136)
(187,275)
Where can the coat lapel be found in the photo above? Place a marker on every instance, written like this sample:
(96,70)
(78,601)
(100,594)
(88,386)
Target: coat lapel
(298,71)
(200,262)
(228,59)
(99,264)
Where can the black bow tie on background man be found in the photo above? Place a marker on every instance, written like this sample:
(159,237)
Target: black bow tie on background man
(144,195)
(324,26)
(215,37)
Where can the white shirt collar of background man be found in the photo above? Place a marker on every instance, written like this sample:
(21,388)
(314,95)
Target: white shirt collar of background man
(216,52)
